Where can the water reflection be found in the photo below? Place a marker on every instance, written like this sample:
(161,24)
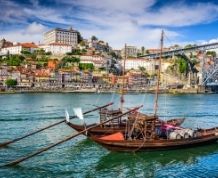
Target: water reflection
(151,164)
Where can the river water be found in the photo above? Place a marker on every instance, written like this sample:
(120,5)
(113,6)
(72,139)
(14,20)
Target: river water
(80,157)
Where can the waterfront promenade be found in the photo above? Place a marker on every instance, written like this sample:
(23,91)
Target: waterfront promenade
(104,90)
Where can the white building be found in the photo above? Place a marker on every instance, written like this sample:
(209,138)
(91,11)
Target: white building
(97,61)
(17,48)
(149,64)
(135,63)
(61,36)
(57,48)
(131,51)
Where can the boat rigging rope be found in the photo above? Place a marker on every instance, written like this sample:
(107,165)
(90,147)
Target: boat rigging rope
(112,97)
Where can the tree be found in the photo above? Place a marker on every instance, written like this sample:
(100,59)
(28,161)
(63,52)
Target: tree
(113,54)
(183,65)
(86,66)
(15,60)
(48,53)
(143,49)
(190,46)
(84,51)
(82,43)
(11,83)
(69,59)
(139,54)
(79,36)
(76,52)
(142,69)
(212,53)
(25,52)
(94,38)
(40,51)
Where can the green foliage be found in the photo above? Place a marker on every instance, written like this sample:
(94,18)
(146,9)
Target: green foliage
(194,61)
(139,54)
(82,43)
(69,60)
(190,46)
(15,60)
(76,52)
(25,52)
(86,66)
(80,38)
(183,65)
(142,69)
(11,83)
(212,53)
(114,55)
(1,59)
(28,54)
(102,69)
(48,53)
(147,52)
(94,38)
(43,58)
(143,49)
(39,51)
(69,53)
(84,51)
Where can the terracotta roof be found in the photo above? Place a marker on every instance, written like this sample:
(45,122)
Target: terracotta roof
(42,73)
(29,45)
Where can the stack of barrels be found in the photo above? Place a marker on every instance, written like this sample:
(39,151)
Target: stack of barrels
(182,133)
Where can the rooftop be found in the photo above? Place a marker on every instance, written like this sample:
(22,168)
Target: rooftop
(62,30)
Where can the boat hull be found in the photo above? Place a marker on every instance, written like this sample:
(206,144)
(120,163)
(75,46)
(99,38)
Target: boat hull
(109,129)
(154,145)
(98,131)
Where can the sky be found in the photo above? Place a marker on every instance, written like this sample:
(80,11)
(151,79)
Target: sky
(135,22)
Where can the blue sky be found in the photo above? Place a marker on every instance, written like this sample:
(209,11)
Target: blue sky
(135,22)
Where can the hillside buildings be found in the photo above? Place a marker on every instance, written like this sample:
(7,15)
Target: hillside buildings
(99,45)
(131,51)
(18,47)
(97,60)
(5,44)
(61,36)
(57,48)
(136,63)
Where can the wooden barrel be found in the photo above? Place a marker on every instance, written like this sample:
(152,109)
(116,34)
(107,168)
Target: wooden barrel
(183,133)
(174,135)
(190,132)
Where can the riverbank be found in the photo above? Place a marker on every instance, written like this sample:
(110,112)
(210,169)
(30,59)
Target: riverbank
(93,90)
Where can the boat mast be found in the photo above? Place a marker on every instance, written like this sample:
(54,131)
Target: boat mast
(123,73)
(158,75)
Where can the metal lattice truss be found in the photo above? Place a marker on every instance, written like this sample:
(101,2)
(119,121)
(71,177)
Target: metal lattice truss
(210,76)
(182,50)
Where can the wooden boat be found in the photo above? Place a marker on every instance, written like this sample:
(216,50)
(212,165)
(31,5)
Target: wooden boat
(202,137)
(146,133)
(119,126)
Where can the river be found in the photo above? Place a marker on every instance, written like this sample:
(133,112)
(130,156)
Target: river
(80,157)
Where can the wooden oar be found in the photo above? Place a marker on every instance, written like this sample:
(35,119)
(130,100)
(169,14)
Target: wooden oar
(57,123)
(66,139)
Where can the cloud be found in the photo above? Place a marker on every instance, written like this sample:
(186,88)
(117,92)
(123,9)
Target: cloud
(181,15)
(35,28)
(31,33)
(135,22)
